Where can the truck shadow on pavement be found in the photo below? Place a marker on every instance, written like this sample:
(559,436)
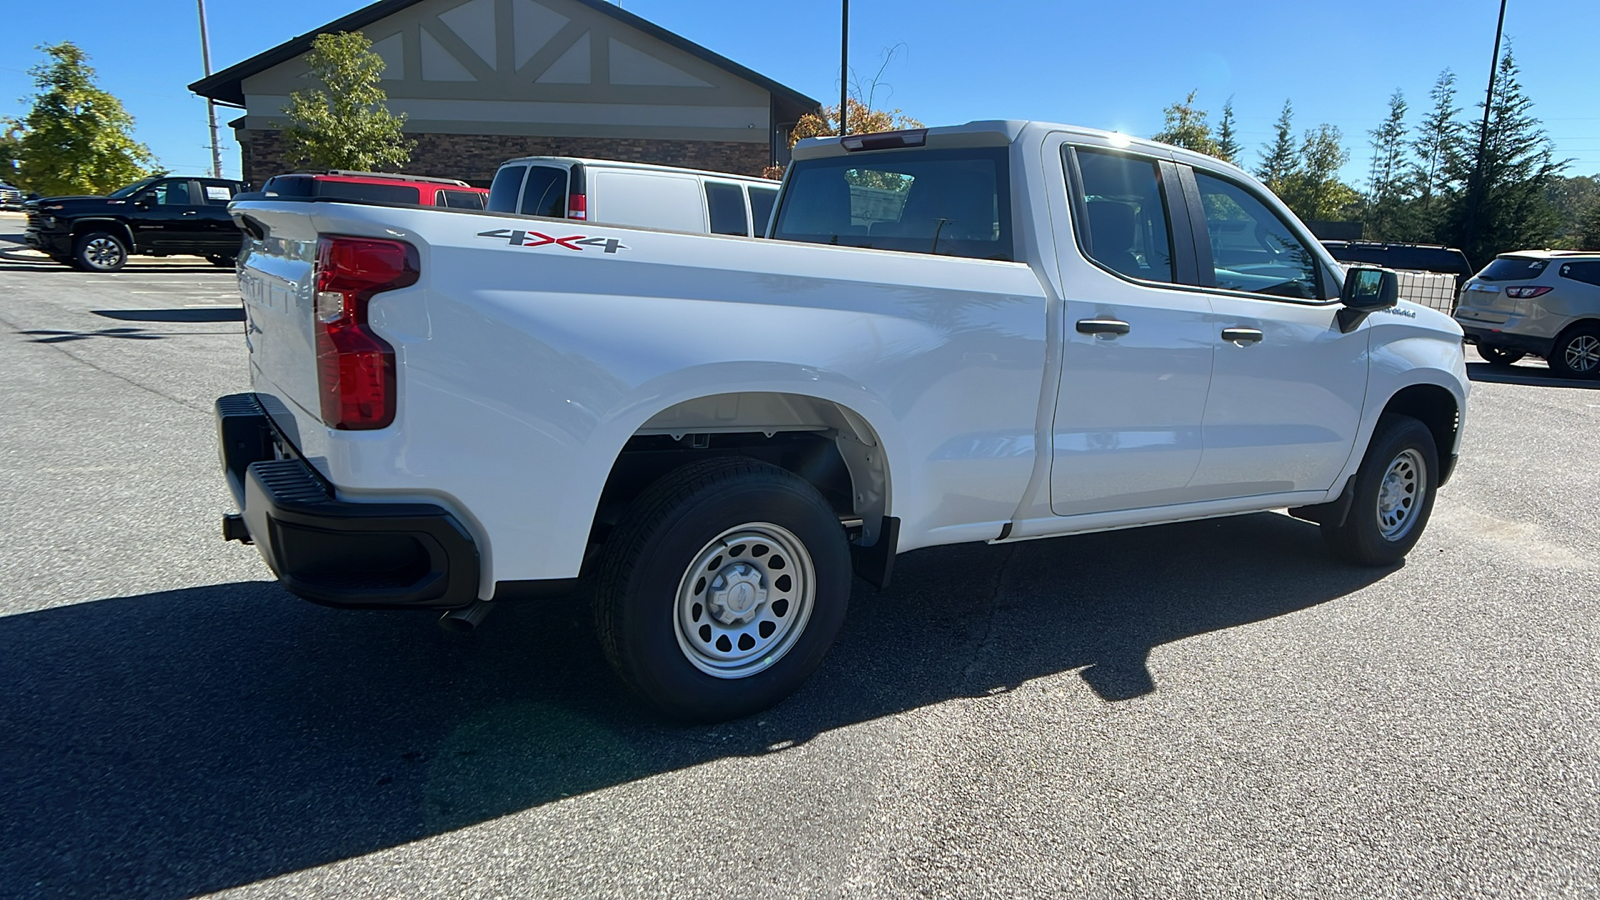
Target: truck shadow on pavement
(188,741)
(1535,375)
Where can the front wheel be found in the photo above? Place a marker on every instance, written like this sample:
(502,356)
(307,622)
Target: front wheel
(1497,356)
(1394,490)
(1577,352)
(722,591)
(100,251)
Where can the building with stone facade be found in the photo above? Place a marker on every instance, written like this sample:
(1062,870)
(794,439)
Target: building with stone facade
(482,81)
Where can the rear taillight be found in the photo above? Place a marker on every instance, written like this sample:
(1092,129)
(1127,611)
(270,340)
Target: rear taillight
(1525,293)
(577,207)
(354,366)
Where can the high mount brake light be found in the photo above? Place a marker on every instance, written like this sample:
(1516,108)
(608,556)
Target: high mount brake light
(355,367)
(886,140)
(1524,293)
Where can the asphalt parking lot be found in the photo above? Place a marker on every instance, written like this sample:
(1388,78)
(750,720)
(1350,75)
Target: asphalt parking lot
(1213,709)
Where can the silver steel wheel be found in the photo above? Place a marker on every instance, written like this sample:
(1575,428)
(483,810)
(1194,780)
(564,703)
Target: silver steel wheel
(744,600)
(1582,354)
(1400,494)
(103,253)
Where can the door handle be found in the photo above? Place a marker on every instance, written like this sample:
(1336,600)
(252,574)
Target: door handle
(1103,326)
(189,212)
(1242,335)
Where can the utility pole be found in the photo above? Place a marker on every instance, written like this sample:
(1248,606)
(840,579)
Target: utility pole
(844,71)
(211,106)
(1477,186)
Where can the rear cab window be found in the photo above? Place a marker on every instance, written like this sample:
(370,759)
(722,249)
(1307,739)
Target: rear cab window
(953,202)
(370,193)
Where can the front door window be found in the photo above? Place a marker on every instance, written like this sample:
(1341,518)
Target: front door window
(1252,249)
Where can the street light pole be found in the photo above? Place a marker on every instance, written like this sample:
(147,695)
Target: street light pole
(1477,186)
(844,71)
(211,106)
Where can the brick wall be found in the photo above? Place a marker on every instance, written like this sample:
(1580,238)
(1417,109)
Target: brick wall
(474,157)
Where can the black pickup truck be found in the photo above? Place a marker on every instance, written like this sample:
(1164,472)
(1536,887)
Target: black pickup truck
(158,216)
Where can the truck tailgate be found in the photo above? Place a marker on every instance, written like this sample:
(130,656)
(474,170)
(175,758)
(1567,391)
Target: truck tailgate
(276,285)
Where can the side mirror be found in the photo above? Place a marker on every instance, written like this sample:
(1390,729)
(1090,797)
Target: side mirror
(1366,290)
(145,201)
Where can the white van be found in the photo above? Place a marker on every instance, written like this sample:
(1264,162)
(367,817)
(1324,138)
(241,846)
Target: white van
(609,192)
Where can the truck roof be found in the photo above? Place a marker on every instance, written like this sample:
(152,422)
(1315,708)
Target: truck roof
(1000,132)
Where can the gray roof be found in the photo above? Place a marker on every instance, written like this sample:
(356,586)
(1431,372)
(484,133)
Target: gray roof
(227,86)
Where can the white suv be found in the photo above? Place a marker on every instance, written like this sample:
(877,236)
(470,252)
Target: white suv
(1542,303)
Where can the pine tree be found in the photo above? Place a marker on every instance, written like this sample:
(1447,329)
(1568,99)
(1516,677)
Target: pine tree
(77,138)
(1186,127)
(1435,152)
(1499,188)
(347,127)
(1228,147)
(1383,198)
(1280,159)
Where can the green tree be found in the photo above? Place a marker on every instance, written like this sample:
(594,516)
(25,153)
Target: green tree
(1280,159)
(1385,186)
(1436,151)
(1186,127)
(346,127)
(1499,188)
(1572,200)
(1313,189)
(1588,233)
(77,138)
(1228,148)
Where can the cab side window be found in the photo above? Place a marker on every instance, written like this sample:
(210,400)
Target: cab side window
(726,203)
(173,192)
(1127,228)
(1252,249)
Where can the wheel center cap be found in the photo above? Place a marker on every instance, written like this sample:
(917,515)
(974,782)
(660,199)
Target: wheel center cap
(736,594)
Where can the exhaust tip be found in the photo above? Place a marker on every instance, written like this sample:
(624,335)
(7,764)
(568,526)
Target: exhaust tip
(466,618)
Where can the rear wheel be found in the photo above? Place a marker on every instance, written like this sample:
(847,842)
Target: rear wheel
(100,251)
(1577,352)
(1394,490)
(1497,356)
(723,589)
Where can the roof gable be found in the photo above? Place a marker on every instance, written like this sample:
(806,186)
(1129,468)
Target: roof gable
(534,26)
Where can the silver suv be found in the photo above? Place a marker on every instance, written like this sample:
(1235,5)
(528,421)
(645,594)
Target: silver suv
(1542,303)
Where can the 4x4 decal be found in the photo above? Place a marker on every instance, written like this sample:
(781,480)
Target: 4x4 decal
(577,242)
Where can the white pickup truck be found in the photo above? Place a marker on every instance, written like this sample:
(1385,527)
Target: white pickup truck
(991,332)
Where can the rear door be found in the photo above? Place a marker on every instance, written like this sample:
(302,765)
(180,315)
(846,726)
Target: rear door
(216,228)
(1137,349)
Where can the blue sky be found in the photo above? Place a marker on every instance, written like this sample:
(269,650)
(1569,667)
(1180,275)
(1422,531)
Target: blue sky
(1106,65)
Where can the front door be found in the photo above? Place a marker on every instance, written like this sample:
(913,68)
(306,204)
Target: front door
(1137,350)
(165,217)
(1287,385)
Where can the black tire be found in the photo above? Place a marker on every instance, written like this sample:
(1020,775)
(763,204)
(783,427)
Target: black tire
(646,606)
(1576,353)
(1382,526)
(1497,356)
(99,251)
